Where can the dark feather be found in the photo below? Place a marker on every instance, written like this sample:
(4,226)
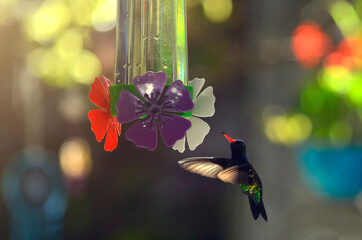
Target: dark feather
(257,209)
(254,208)
(205,166)
(262,211)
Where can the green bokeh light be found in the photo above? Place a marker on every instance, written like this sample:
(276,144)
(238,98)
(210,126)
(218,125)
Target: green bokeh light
(217,10)
(355,93)
(346,18)
(337,79)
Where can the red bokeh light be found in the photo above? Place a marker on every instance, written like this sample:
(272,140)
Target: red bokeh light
(310,44)
(348,54)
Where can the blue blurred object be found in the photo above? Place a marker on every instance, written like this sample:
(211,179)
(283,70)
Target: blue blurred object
(332,172)
(34,195)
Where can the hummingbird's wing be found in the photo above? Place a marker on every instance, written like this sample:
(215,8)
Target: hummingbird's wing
(205,166)
(243,174)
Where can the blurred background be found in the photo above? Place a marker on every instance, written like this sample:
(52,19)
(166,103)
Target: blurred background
(287,76)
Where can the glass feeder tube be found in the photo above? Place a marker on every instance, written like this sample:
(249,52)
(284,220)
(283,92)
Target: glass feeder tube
(151,36)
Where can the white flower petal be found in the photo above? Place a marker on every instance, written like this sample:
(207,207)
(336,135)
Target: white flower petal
(197,83)
(204,104)
(180,145)
(197,133)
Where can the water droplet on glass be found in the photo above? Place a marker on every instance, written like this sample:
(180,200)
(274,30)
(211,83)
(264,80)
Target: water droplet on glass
(165,65)
(157,37)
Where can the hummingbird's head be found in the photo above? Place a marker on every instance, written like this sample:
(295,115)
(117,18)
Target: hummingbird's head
(237,146)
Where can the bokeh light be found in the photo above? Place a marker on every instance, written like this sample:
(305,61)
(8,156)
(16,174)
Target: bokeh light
(70,42)
(73,106)
(62,68)
(34,194)
(332,172)
(310,43)
(84,66)
(288,130)
(346,18)
(47,21)
(348,54)
(53,68)
(104,16)
(337,79)
(63,28)
(81,11)
(217,11)
(275,129)
(333,96)
(355,93)
(75,158)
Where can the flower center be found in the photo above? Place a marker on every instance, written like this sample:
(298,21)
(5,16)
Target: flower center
(154,110)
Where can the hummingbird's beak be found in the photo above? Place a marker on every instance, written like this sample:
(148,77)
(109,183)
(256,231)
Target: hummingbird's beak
(228,138)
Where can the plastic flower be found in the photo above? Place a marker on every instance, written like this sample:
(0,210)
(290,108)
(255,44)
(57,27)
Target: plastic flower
(203,107)
(101,119)
(159,110)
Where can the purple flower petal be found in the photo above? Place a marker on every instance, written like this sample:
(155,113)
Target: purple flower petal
(143,133)
(177,98)
(129,107)
(172,128)
(150,85)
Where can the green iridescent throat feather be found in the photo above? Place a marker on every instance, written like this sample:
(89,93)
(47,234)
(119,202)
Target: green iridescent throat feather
(252,190)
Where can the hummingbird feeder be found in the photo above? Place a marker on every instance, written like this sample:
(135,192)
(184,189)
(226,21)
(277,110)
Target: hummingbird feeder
(152,91)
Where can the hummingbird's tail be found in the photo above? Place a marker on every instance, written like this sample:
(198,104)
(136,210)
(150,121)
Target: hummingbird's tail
(262,211)
(257,209)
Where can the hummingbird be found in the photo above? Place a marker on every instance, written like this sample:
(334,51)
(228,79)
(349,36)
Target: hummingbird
(236,170)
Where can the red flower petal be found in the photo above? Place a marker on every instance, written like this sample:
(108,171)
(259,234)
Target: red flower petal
(112,136)
(99,122)
(118,125)
(99,94)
